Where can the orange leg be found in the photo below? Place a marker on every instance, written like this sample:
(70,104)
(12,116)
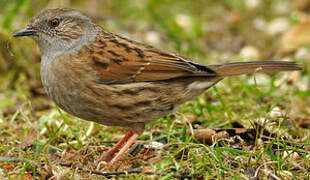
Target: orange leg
(132,139)
(108,156)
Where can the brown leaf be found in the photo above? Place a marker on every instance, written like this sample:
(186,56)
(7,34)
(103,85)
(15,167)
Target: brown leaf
(296,37)
(209,135)
(301,4)
(8,167)
(28,139)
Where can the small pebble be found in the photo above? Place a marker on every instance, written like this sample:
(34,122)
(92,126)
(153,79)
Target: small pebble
(251,4)
(184,21)
(152,37)
(156,145)
(275,112)
(249,52)
(277,26)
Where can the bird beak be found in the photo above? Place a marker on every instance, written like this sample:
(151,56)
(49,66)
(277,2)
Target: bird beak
(27,31)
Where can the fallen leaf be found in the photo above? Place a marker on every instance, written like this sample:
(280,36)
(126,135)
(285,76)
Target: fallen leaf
(296,37)
(8,167)
(28,139)
(208,136)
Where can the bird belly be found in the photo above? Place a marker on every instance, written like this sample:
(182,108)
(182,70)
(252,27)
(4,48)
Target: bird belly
(104,104)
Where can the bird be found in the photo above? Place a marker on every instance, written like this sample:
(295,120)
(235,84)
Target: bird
(100,76)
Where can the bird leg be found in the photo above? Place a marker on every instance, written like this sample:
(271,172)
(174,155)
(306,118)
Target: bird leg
(137,131)
(108,156)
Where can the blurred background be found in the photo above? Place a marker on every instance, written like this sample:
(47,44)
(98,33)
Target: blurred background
(208,31)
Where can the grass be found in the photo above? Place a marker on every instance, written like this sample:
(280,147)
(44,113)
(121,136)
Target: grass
(273,109)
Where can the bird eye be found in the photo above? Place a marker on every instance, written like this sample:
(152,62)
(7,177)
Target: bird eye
(54,22)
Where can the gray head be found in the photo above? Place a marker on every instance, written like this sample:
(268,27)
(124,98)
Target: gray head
(58,30)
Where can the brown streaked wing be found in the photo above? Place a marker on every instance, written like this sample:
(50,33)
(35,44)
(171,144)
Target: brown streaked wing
(119,60)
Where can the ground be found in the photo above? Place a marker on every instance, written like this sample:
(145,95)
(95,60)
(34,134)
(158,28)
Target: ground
(247,127)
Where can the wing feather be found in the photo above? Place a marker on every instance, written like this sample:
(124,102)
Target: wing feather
(119,60)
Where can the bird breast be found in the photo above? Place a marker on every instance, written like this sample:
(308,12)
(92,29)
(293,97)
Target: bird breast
(60,85)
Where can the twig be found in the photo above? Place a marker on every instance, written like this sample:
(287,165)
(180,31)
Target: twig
(138,171)
(104,173)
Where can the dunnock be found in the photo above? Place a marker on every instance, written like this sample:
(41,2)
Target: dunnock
(102,77)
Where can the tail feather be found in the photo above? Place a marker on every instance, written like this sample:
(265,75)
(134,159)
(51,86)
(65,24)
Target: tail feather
(238,68)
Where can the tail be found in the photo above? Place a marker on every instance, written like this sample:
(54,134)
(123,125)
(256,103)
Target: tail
(238,68)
